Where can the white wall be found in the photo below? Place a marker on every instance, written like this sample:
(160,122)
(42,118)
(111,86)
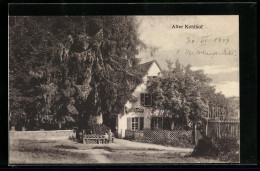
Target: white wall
(42,135)
(122,118)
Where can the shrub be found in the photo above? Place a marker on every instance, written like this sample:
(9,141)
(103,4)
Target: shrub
(224,149)
(99,129)
(95,128)
(205,148)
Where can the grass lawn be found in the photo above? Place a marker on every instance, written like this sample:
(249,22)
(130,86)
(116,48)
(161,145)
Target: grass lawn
(45,152)
(70,152)
(157,158)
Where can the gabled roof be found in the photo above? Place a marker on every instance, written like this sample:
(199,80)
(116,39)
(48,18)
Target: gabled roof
(146,66)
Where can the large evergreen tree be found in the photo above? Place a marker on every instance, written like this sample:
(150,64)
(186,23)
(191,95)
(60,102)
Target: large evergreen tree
(71,68)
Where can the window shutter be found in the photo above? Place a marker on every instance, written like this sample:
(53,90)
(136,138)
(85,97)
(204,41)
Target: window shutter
(150,100)
(129,123)
(146,99)
(142,98)
(141,123)
(153,97)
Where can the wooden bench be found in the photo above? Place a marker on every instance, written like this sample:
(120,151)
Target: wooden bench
(97,138)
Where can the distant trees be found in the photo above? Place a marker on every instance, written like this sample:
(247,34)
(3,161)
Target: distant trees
(66,69)
(184,94)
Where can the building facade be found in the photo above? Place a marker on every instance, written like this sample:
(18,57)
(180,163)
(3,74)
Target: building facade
(138,113)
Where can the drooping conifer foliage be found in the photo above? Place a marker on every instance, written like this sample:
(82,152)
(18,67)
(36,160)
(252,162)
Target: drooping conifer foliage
(69,69)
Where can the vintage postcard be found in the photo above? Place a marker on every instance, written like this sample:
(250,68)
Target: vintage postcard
(124,89)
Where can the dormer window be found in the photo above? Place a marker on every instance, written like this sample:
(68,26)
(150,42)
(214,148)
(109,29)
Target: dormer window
(146,99)
(150,78)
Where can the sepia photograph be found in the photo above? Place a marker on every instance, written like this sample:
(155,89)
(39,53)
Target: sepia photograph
(108,89)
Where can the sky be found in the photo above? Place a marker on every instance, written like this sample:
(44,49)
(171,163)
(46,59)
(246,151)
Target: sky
(214,48)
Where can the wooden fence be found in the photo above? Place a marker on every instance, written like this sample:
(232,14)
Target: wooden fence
(223,129)
(165,136)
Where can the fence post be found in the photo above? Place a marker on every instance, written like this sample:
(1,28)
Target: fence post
(144,133)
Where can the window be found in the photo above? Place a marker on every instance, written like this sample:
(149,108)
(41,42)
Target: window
(146,99)
(134,123)
(163,123)
(137,123)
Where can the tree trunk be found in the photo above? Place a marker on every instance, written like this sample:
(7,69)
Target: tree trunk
(194,134)
(99,118)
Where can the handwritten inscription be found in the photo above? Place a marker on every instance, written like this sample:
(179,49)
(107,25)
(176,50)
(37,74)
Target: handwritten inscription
(206,39)
(210,46)
(211,53)
(204,52)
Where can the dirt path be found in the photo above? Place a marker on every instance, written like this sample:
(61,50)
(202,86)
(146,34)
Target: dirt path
(138,145)
(98,155)
(125,151)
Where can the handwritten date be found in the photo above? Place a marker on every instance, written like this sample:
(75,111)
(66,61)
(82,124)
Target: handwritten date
(206,39)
